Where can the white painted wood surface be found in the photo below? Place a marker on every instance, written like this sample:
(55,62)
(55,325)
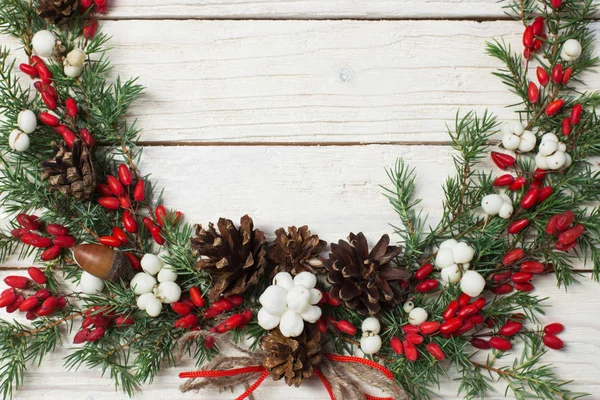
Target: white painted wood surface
(246,83)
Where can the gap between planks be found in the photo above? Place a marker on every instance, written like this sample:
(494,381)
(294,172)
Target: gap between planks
(466,18)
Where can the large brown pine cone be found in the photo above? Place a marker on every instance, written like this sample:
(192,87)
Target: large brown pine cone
(297,251)
(57,11)
(70,171)
(363,281)
(292,358)
(235,259)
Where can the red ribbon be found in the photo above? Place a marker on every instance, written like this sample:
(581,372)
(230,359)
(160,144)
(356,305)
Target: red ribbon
(264,374)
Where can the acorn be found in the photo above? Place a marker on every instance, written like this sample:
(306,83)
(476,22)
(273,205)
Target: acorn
(103,262)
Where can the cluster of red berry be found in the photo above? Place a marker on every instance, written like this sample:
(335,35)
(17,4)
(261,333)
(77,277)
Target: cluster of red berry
(561,225)
(30,296)
(533,37)
(187,308)
(425,285)
(96,323)
(32,232)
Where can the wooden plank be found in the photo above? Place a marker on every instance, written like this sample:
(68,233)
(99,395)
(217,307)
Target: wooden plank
(310,81)
(578,361)
(307,9)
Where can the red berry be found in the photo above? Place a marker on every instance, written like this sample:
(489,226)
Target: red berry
(524,287)
(50,303)
(181,308)
(41,242)
(451,310)
(528,53)
(29,304)
(222,305)
(554,328)
(567,75)
(139,192)
(346,327)
(576,114)
(49,119)
(557,73)
(475,319)
(87,138)
(467,311)
(502,160)
(556,3)
(538,26)
(14,305)
(321,325)
(26,221)
(71,107)
(186,322)
(42,294)
(37,275)
(553,342)
(539,174)
(120,234)
(123,320)
(480,344)
(115,185)
(502,276)
(554,107)
(423,272)
(499,343)
(504,180)
(532,267)
(129,222)
(17,282)
(463,300)
(518,226)
(103,189)
(18,232)
(427,286)
(530,198)
(569,236)
(81,336)
(110,241)
(479,303)
(545,192)
(196,297)
(51,253)
(155,231)
(110,203)
(65,242)
(451,325)
(528,37)
(28,238)
(436,351)
(7,298)
(43,72)
(502,289)
(89,30)
(48,100)
(408,329)
(518,184)
(513,256)
(396,345)
(125,175)
(414,338)
(235,299)
(29,70)
(429,327)
(209,342)
(511,328)
(521,277)
(464,328)
(542,76)
(411,352)
(134,261)
(565,220)
(96,334)
(533,93)
(124,201)
(56,230)
(161,214)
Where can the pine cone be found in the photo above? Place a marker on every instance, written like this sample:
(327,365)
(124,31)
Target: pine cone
(234,258)
(297,251)
(363,281)
(56,11)
(71,171)
(292,358)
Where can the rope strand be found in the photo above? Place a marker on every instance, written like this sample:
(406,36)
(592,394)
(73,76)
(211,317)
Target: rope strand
(364,361)
(221,373)
(325,383)
(254,386)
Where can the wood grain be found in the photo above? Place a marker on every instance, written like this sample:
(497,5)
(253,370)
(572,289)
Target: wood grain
(307,9)
(310,81)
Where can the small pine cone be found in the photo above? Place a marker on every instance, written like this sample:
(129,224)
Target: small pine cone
(235,258)
(363,281)
(71,171)
(292,358)
(57,11)
(297,251)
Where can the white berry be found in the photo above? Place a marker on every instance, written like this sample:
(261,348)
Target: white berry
(142,301)
(305,279)
(556,160)
(297,298)
(153,307)
(89,284)
(273,300)
(571,50)
(151,264)
(541,162)
(417,316)
(18,140)
(371,325)
(73,72)
(312,314)
(27,121)
(528,141)
(167,274)
(463,253)
(291,324)
(43,43)
(547,147)
(370,344)
(510,141)
(142,283)
(472,283)
(267,321)
(506,210)
(284,279)
(448,244)
(408,306)
(491,204)
(315,296)
(169,292)
(444,257)
(76,58)
(451,274)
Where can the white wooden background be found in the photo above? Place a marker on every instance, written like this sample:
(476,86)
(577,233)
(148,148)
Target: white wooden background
(289,110)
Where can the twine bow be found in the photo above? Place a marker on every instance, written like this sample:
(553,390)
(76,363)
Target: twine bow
(342,376)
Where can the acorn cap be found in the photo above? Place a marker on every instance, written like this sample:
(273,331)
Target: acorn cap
(103,262)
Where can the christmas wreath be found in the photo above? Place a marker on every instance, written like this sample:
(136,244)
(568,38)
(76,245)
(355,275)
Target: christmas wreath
(136,288)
